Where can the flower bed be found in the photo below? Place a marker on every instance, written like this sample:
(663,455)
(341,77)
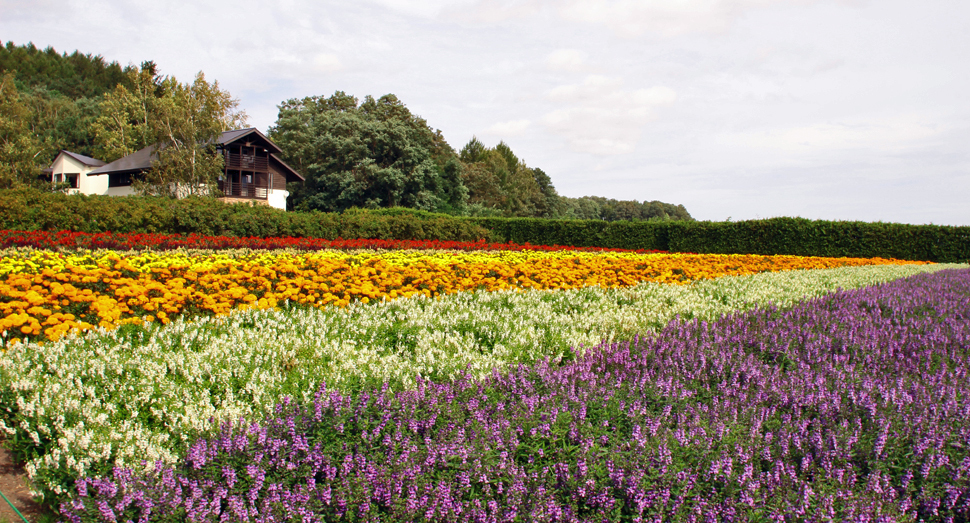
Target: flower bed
(69,240)
(47,294)
(81,405)
(852,407)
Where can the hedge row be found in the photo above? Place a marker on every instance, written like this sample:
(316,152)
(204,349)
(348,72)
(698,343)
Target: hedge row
(796,236)
(32,210)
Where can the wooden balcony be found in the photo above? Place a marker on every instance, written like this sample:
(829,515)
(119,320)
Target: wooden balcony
(247,162)
(244,190)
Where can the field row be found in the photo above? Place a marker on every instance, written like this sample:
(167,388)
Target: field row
(850,407)
(69,240)
(46,294)
(82,405)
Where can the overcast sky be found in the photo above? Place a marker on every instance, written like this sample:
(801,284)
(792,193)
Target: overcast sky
(832,109)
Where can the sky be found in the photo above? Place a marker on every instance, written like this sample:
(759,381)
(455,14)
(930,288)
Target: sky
(737,109)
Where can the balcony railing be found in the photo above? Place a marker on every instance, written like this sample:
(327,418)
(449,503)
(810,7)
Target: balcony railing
(247,162)
(244,190)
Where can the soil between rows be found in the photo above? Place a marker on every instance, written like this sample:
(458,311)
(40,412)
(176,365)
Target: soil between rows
(13,484)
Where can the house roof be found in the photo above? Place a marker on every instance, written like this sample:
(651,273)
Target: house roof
(288,171)
(86,160)
(251,132)
(142,159)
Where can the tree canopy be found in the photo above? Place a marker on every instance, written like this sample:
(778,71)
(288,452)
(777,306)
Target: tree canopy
(61,94)
(180,121)
(370,154)
(19,145)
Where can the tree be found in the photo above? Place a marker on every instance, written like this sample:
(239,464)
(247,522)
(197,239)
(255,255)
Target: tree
(180,121)
(371,154)
(499,180)
(19,145)
(123,126)
(186,122)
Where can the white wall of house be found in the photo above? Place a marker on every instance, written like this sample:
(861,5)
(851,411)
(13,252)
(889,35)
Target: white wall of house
(277,198)
(119,191)
(65,165)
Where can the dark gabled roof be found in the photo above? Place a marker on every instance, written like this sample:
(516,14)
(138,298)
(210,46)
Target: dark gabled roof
(252,132)
(86,160)
(142,159)
(287,170)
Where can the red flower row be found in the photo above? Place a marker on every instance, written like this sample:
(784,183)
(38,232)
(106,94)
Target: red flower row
(160,242)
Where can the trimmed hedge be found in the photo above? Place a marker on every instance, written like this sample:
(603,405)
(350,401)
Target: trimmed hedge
(804,237)
(30,210)
(25,209)
(795,236)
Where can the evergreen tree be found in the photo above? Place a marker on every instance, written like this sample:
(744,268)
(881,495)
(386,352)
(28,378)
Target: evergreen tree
(19,145)
(370,154)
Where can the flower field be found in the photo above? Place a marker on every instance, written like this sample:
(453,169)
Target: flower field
(446,382)
(849,407)
(57,240)
(47,294)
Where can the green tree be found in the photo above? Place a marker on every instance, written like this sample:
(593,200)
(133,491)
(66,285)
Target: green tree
(499,180)
(127,114)
(180,121)
(19,145)
(371,154)
(185,122)
(62,94)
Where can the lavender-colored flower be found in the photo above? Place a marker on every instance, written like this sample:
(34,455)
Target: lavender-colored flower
(852,407)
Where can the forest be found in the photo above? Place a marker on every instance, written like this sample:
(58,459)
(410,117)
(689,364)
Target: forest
(354,153)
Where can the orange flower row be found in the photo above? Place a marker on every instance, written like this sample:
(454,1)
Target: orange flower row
(51,294)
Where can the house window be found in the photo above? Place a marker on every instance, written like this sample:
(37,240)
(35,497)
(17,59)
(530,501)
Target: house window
(73,179)
(119,180)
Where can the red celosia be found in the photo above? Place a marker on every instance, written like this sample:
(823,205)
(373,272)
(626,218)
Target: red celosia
(138,241)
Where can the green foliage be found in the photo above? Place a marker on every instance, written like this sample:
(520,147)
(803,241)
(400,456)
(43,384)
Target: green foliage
(60,96)
(74,76)
(31,209)
(501,184)
(497,179)
(608,209)
(181,121)
(185,122)
(19,145)
(803,237)
(370,154)
(122,125)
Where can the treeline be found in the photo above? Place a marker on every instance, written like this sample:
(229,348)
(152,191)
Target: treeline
(30,209)
(370,153)
(375,153)
(499,183)
(54,98)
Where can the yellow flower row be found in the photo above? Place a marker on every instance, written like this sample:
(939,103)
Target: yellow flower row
(45,295)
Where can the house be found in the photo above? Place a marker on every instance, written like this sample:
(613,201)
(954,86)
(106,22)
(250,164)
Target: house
(253,171)
(74,168)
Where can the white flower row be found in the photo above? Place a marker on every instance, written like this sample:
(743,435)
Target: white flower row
(120,397)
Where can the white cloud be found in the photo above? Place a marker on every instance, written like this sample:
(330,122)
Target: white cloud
(570,60)
(326,63)
(493,11)
(891,135)
(510,128)
(666,17)
(625,17)
(600,116)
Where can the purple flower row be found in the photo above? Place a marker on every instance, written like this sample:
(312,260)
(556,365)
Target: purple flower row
(852,407)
